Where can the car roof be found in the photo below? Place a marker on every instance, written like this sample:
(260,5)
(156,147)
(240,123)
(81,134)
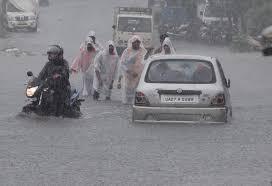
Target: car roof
(179,56)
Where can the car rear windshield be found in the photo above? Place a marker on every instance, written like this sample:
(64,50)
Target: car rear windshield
(181,72)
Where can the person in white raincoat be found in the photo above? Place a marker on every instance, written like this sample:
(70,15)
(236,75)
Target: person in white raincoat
(91,37)
(131,67)
(167,47)
(105,67)
(84,63)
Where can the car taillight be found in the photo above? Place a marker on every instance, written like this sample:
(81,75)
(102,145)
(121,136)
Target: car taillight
(140,99)
(218,100)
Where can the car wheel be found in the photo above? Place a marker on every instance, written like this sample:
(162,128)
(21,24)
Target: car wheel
(35,29)
(7,28)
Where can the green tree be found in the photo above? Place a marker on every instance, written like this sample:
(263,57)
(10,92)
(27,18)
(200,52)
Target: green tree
(258,18)
(239,10)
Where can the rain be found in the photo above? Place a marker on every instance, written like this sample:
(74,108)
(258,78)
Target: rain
(104,146)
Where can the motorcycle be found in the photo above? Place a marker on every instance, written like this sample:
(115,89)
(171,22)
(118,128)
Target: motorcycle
(180,32)
(41,97)
(213,35)
(188,31)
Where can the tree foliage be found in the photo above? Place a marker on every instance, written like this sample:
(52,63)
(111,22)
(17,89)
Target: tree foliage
(259,18)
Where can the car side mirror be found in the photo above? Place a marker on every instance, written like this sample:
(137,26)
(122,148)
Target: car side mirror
(29,74)
(228,83)
(267,51)
(113,27)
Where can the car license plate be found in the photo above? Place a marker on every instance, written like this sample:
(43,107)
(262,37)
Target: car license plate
(179,99)
(22,23)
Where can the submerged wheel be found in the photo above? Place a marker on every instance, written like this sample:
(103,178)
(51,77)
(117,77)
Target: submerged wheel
(35,29)
(73,112)
(28,109)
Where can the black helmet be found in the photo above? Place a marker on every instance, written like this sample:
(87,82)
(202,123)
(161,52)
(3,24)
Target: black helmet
(54,53)
(54,49)
(61,49)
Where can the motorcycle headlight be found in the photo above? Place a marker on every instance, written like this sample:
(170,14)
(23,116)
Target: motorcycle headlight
(31,91)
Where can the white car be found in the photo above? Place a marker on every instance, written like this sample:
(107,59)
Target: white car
(21,15)
(183,89)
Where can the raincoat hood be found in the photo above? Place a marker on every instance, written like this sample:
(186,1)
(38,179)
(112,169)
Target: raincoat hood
(91,33)
(84,60)
(97,45)
(109,43)
(168,42)
(90,41)
(133,39)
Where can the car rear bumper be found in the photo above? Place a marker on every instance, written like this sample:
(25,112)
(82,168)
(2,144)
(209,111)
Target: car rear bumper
(179,115)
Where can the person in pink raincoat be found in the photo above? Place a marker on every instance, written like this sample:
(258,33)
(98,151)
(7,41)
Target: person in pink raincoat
(131,66)
(105,67)
(91,37)
(84,63)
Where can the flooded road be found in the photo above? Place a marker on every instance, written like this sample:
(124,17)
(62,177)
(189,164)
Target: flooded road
(104,147)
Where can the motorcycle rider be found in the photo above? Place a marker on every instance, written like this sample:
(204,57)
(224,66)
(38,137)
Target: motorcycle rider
(56,74)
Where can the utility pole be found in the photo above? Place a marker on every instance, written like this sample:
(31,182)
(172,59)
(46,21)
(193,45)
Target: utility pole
(1,19)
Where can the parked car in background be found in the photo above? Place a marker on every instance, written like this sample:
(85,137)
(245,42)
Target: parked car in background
(20,14)
(183,89)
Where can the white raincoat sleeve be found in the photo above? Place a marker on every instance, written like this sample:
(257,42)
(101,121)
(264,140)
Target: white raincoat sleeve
(116,72)
(121,61)
(97,61)
(97,67)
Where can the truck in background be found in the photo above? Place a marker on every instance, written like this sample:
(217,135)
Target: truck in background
(129,21)
(20,14)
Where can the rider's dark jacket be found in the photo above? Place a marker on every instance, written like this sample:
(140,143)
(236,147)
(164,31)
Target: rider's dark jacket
(51,69)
